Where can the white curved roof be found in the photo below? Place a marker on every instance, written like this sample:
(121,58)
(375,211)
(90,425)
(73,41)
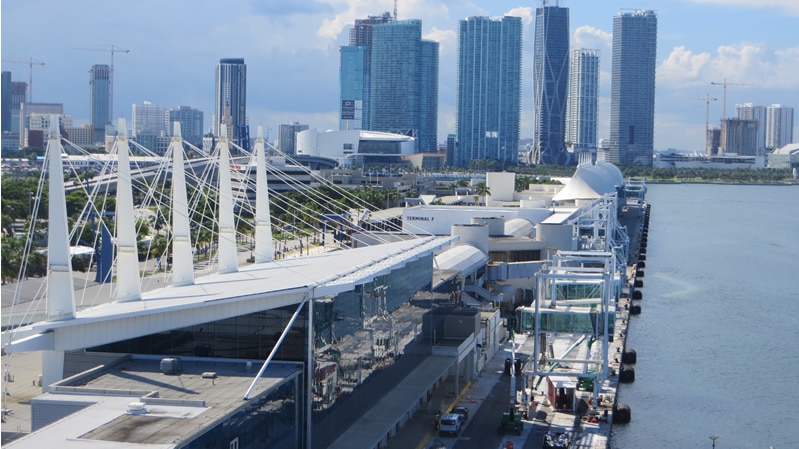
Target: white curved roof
(463,258)
(519,227)
(591,182)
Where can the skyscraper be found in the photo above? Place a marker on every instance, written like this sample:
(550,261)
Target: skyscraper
(149,118)
(489,90)
(5,114)
(582,106)
(100,100)
(287,136)
(355,73)
(404,83)
(779,126)
(748,111)
(632,95)
(191,124)
(550,80)
(231,100)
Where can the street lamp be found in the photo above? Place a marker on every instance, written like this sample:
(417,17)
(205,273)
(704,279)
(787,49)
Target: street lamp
(714,438)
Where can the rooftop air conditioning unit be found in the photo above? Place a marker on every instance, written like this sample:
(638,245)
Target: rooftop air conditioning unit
(171,366)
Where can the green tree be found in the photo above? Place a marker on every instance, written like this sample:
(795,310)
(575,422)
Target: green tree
(481,189)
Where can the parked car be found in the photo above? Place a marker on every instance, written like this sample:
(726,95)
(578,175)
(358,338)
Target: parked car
(437,444)
(450,424)
(462,411)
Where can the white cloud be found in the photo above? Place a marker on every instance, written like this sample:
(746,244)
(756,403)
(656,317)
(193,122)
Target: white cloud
(447,39)
(747,63)
(525,12)
(590,37)
(791,6)
(683,66)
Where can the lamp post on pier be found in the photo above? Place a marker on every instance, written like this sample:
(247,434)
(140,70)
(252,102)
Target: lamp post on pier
(714,438)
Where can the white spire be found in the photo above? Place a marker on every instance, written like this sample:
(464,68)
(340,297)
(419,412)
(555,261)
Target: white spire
(182,262)
(128,285)
(60,289)
(264,251)
(227,255)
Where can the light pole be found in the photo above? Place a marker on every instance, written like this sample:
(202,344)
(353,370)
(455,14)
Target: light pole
(714,438)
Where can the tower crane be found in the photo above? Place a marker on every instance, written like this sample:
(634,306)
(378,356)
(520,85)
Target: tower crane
(724,83)
(707,99)
(30,63)
(113,49)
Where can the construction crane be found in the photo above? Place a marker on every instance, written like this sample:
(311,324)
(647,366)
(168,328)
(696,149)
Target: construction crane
(707,99)
(724,98)
(111,50)
(30,63)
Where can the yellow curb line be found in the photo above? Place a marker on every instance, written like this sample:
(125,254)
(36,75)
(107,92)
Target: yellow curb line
(457,399)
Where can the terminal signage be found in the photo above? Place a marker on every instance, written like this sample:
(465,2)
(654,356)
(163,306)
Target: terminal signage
(347,109)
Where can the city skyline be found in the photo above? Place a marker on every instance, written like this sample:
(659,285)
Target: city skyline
(293,55)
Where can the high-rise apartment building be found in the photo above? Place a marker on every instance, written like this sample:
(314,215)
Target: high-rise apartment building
(191,124)
(739,137)
(100,100)
(550,81)
(5,103)
(749,111)
(632,96)
(149,118)
(582,107)
(287,136)
(356,73)
(489,90)
(231,100)
(779,126)
(404,83)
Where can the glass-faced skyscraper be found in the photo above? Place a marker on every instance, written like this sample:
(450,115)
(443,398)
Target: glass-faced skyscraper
(582,106)
(779,126)
(231,100)
(550,81)
(100,100)
(404,86)
(489,90)
(356,73)
(632,95)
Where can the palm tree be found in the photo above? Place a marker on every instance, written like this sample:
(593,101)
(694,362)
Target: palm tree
(481,189)
(522,183)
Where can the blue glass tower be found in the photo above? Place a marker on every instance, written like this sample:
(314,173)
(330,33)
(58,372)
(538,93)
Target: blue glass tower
(231,100)
(356,73)
(489,90)
(632,94)
(550,82)
(100,100)
(404,83)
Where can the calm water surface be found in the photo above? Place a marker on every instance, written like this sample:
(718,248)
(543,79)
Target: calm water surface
(718,336)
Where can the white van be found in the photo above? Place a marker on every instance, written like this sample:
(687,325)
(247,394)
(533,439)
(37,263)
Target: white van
(450,424)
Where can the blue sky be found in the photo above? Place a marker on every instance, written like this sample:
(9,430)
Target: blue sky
(292,53)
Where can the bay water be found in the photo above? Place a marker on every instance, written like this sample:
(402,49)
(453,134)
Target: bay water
(718,336)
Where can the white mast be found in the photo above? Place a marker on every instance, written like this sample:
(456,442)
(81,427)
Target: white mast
(264,251)
(128,285)
(227,255)
(182,262)
(60,289)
